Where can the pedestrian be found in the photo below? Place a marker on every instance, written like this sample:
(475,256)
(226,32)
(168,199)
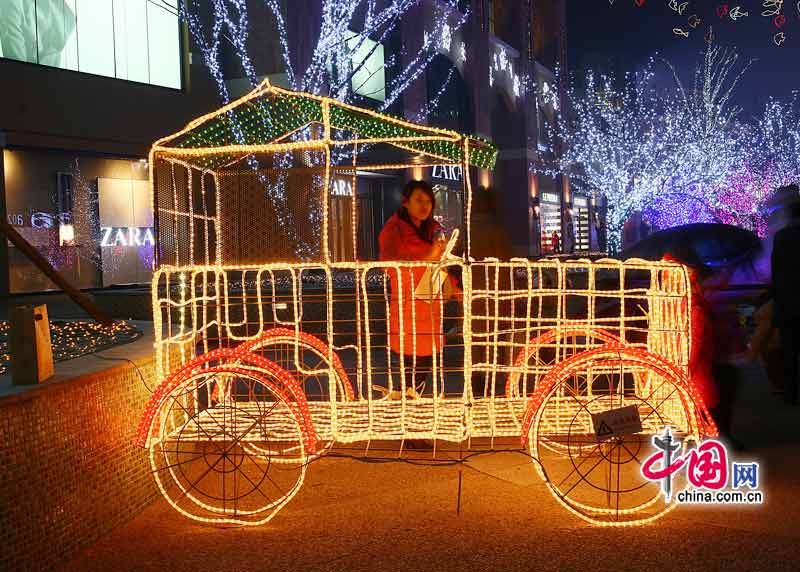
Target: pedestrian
(716,343)
(765,345)
(786,298)
(729,347)
(413,234)
(555,243)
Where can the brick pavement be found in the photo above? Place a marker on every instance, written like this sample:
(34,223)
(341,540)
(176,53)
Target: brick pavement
(351,515)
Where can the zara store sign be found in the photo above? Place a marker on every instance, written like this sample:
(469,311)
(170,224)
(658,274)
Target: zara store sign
(126,236)
(127,233)
(341,188)
(447,172)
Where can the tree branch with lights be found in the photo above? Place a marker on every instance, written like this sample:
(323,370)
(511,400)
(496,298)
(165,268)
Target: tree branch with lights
(616,139)
(681,155)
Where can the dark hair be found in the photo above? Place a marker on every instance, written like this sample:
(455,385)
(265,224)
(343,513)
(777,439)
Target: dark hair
(425,230)
(688,257)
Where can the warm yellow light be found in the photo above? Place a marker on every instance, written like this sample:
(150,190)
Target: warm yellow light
(10,165)
(216,320)
(66,235)
(485,178)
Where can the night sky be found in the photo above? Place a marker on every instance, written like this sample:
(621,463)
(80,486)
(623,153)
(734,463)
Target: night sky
(628,35)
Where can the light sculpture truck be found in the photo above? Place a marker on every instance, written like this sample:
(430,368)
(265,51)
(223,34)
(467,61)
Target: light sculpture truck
(272,327)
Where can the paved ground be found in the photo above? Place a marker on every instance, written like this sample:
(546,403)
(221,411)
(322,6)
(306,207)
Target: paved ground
(353,515)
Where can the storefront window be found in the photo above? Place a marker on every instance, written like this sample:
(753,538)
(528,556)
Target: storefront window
(91,219)
(449,207)
(126,231)
(447,181)
(341,219)
(582,224)
(550,209)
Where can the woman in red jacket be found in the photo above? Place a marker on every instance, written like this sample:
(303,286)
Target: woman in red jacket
(413,234)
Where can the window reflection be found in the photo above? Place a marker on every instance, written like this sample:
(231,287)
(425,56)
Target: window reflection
(137,40)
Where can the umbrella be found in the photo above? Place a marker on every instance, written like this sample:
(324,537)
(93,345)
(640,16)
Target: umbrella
(707,244)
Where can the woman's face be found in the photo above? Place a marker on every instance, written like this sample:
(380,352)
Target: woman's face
(418,205)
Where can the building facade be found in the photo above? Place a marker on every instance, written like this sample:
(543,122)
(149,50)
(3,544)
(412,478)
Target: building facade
(86,94)
(506,58)
(85,89)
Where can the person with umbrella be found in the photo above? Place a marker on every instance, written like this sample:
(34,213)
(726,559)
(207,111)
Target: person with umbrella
(786,298)
(716,342)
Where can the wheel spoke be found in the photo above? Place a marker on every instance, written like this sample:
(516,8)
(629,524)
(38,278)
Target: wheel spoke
(581,471)
(223,486)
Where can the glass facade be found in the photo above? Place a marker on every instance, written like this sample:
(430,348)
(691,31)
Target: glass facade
(136,40)
(369,79)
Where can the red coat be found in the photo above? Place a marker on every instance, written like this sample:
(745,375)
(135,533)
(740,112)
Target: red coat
(701,356)
(422,327)
(701,349)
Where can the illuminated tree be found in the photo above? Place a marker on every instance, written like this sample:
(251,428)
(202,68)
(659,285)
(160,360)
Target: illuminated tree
(709,165)
(616,141)
(742,200)
(779,141)
(756,160)
(351,31)
(677,155)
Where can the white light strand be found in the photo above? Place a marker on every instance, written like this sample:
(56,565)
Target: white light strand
(501,68)
(638,146)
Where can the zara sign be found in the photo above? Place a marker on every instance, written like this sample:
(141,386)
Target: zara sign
(341,188)
(127,236)
(447,172)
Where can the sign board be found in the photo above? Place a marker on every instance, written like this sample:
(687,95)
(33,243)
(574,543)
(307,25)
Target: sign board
(126,227)
(126,236)
(15,219)
(341,188)
(616,422)
(551,198)
(447,172)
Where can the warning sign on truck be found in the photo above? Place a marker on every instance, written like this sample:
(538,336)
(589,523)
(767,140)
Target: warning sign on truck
(615,422)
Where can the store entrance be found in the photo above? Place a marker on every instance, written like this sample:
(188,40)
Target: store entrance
(550,209)
(449,211)
(582,222)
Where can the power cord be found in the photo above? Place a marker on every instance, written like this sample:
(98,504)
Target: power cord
(136,367)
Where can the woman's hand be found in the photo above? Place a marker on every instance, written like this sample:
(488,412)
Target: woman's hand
(438,247)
